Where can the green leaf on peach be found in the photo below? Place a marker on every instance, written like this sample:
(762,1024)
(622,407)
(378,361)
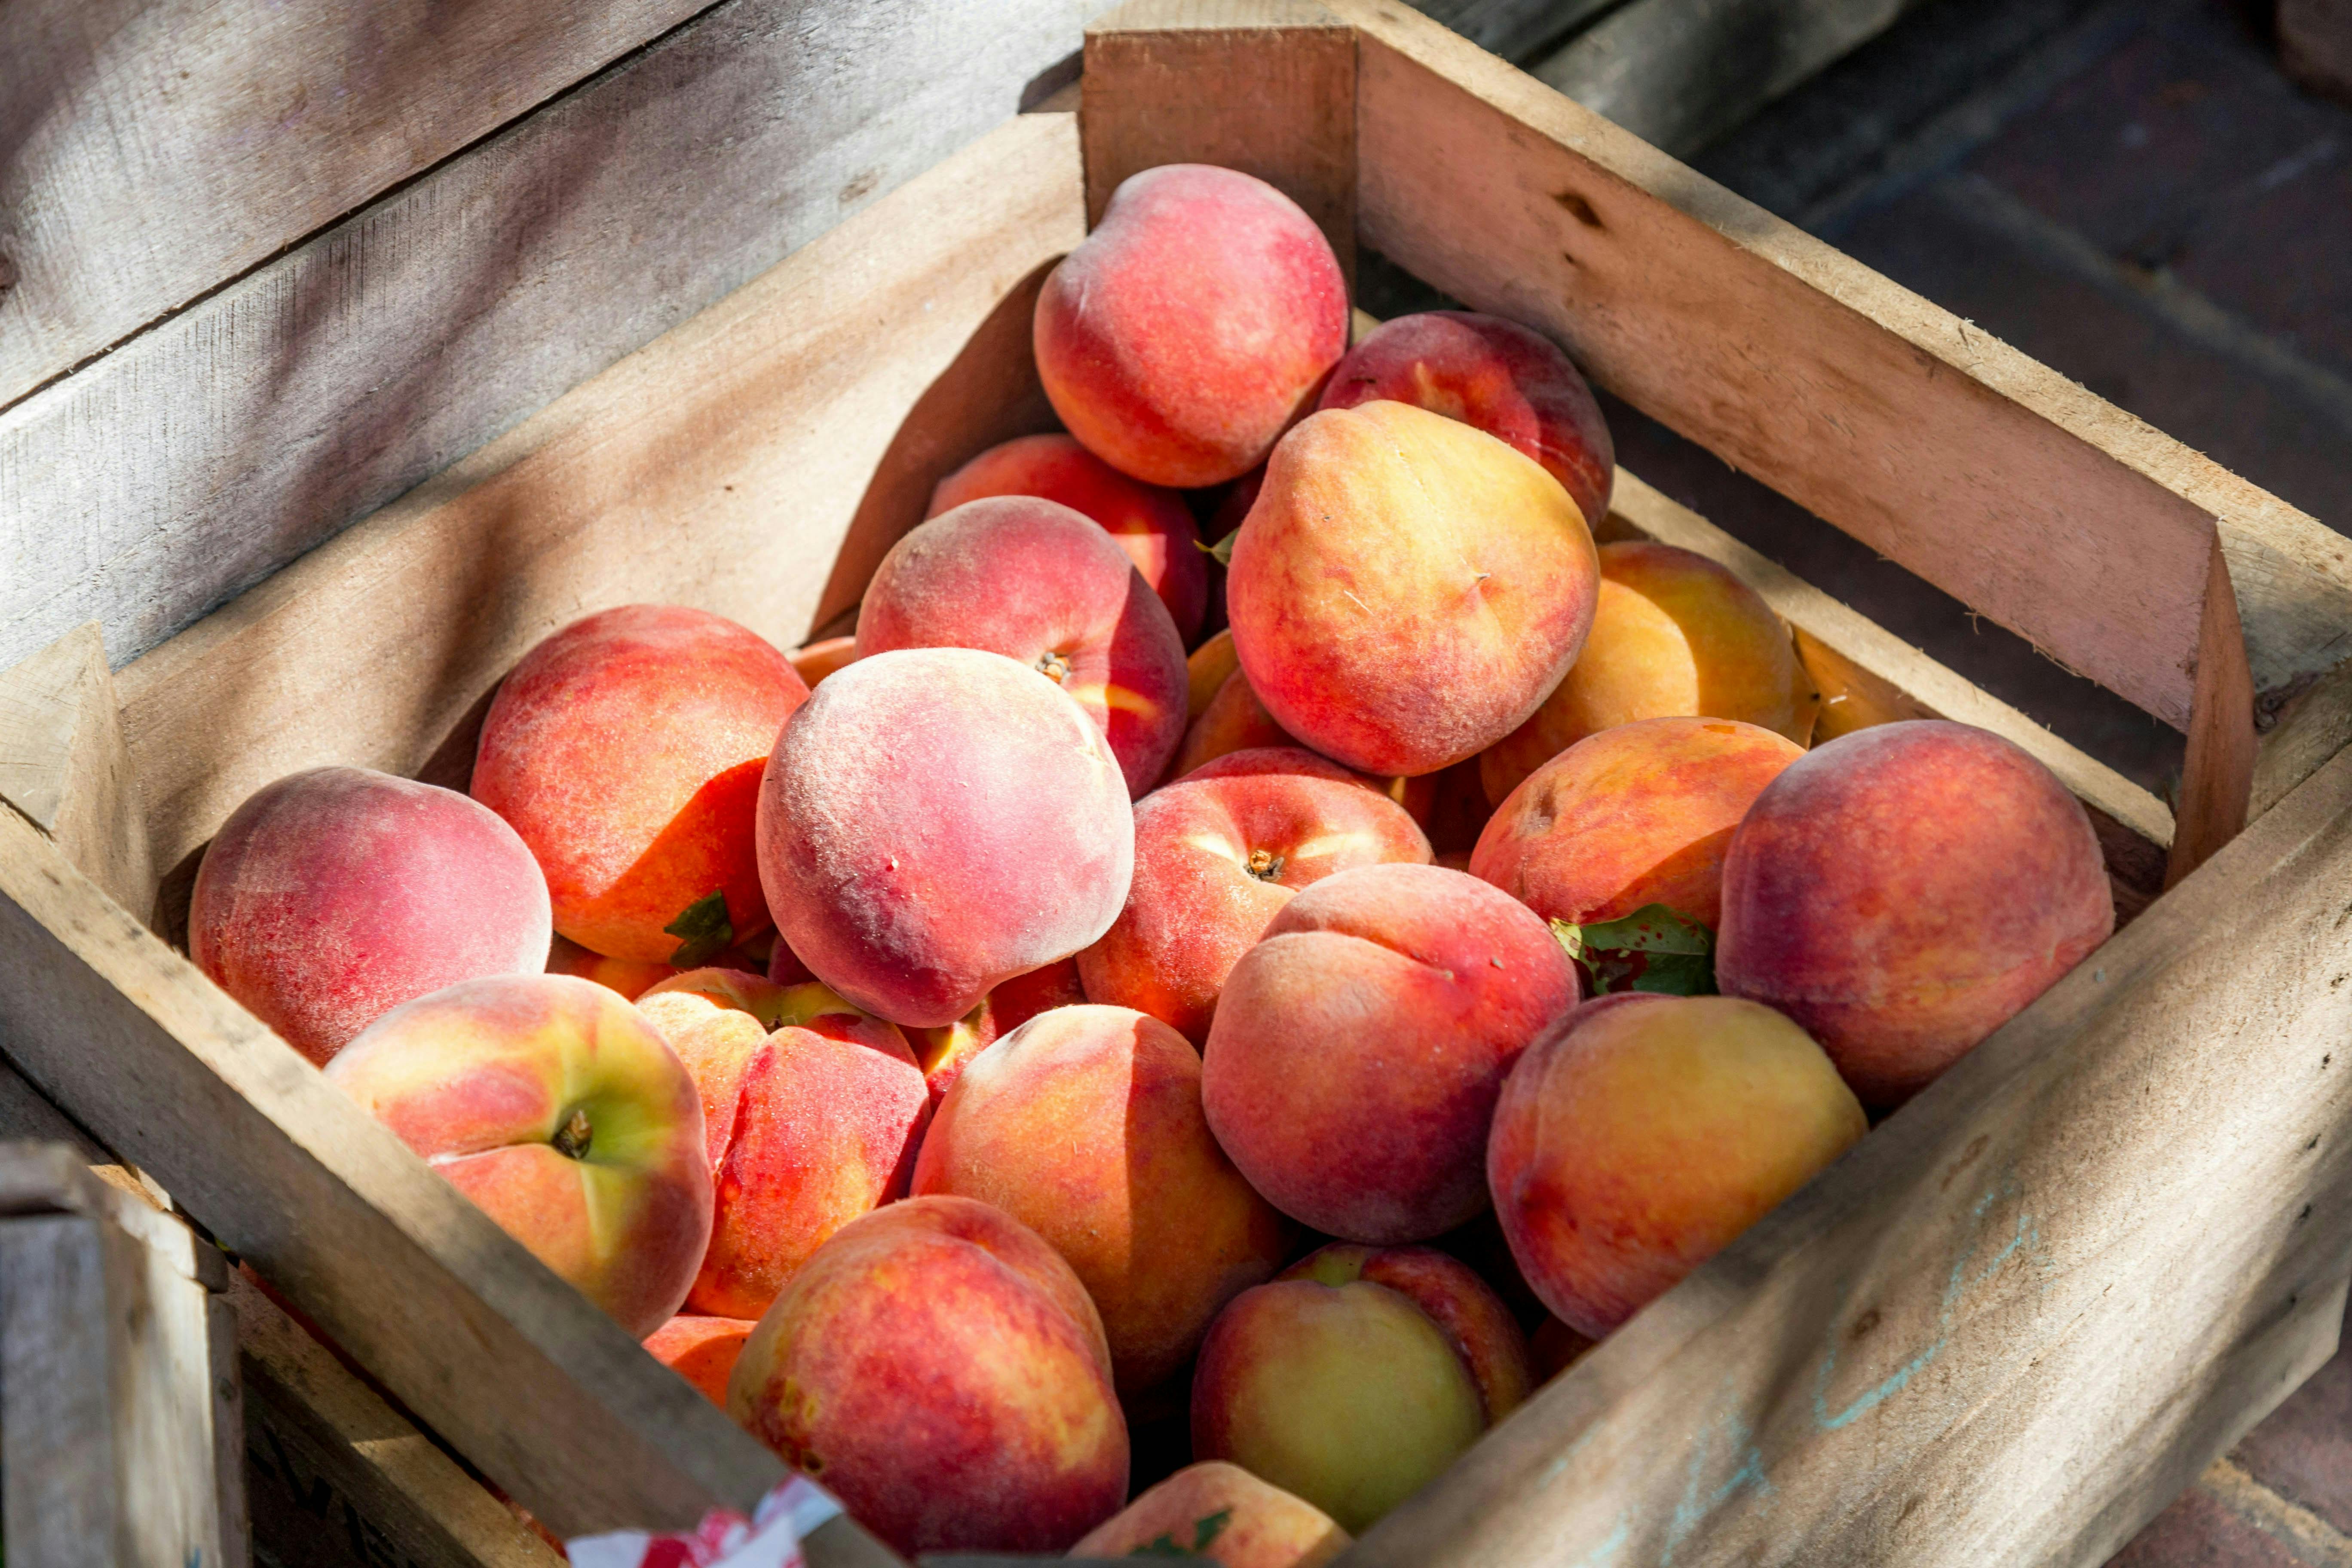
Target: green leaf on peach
(1222,551)
(1655,948)
(704,929)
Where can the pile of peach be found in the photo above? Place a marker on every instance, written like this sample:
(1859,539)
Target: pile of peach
(1000,1026)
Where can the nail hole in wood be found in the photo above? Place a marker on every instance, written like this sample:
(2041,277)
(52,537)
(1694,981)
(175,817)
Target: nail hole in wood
(1580,210)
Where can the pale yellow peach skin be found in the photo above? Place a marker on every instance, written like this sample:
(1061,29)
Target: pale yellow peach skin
(1222,1512)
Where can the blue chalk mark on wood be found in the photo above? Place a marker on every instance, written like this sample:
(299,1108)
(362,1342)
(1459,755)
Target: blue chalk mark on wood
(2026,1235)
(1697,1503)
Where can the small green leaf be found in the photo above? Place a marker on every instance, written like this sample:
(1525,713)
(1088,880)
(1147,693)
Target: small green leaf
(1206,1530)
(1653,949)
(1222,551)
(703,927)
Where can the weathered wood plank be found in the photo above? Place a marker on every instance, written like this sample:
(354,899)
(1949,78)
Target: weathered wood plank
(60,1475)
(207,452)
(760,423)
(1268,87)
(2032,1304)
(63,765)
(1985,472)
(149,152)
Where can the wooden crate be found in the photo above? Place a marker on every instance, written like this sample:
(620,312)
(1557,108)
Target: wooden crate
(2007,1327)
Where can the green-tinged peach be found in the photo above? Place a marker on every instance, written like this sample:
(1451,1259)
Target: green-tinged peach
(559,1110)
(1084,1124)
(1642,1136)
(940,1370)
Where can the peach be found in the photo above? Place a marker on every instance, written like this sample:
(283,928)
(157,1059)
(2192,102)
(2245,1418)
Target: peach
(1341,1384)
(1040,584)
(944,1053)
(702,1350)
(1223,1513)
(1232,721)
(1357,1050)
(1674,635)
(1638,815)
(625,975)
(813,661)
(626,750)
(560,1110)
(1084,1124)
(1407,589)
(940,1368)
(812,1111)
(1217,855)
(1903,891)
(1640,1138)
(1205,671)
(936,821)
(332,896)
(1193,326)
(1507,380)
(1152,525)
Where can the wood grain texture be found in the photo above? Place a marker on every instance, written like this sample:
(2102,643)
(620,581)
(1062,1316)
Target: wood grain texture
(1680,73)
(343,1480)
(183,141)
(2015,1320)
(1268,87)
(754,432)
(2217,770)
(63,764)
(2066,519)
(207,453)
(116,1401)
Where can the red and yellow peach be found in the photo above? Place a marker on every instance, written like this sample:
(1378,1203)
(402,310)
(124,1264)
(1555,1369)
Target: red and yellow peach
(1221,1513)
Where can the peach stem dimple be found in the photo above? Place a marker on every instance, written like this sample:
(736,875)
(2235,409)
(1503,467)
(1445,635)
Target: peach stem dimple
(1265,865)
(1053,666)
(571,1139)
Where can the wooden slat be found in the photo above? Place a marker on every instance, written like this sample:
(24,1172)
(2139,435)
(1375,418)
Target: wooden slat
(183,142)
(760,425)
(1268,87)
(208,452)
(2217,772)
(2013,1321)
(341,1479)
(60,1475)
(2015,489)
(59,725)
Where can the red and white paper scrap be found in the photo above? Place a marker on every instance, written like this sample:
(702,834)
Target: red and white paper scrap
(771,1538)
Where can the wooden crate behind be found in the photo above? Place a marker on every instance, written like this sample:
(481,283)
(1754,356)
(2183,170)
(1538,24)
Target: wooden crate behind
(2007,1327)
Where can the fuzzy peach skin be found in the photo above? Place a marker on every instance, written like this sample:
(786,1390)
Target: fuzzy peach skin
(557,1108)
(1640,1138)
(626,750)
(1193,326)
(332,896)
(1905,890)
(1673,635)
(1353,1065)
(1348,1395)
(813,661)
(633,979)
(812,1111)
(944,1053)
(1040,584)
(1223,1513)
(1217,855)
(1084,1124)
(702,1350)
(1152,525)
(936,821)
(1407,589)
(1507,380)
(1638,815)
(940,1370)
